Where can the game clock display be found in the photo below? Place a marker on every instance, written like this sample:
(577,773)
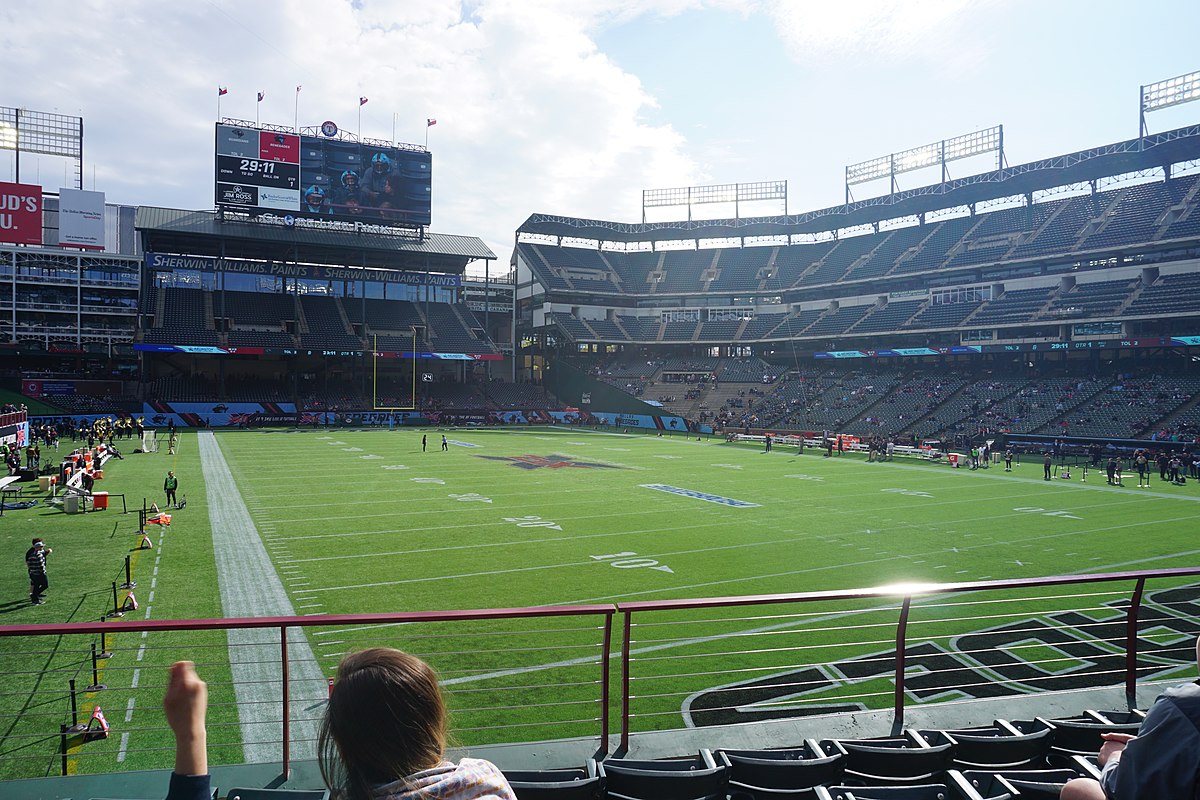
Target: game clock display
(268,171)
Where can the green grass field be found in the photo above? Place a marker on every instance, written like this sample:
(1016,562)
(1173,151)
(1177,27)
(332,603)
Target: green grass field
(364,521)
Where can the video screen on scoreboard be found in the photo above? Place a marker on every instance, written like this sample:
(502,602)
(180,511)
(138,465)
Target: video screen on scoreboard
(267,171)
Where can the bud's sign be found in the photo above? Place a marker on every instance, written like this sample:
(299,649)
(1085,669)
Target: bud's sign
(20,213)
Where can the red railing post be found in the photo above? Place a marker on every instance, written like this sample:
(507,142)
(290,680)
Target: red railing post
(901,638)
(1131,632)
(605,679)
(626,637)
(287,711)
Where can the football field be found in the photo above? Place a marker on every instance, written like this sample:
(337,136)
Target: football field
(367,521)
(346,521)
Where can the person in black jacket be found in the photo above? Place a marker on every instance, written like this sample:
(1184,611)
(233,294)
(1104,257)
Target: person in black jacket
(1162,761)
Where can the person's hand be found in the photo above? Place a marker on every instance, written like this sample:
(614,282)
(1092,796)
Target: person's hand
(185,704)
(1114,745)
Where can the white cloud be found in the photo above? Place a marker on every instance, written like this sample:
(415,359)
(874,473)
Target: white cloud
(878,29)
(531,116)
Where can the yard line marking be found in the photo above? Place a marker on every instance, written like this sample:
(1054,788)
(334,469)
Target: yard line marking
(124,746)
(133,684)
(250,587)
(506,543)
(141,652)
(129,710)
(738,546)
(713,638)
(311,605)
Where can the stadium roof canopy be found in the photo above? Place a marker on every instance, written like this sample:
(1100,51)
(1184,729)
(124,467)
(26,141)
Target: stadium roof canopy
(206,233)
(1120,158)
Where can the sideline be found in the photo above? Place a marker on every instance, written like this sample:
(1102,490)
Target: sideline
(250,588)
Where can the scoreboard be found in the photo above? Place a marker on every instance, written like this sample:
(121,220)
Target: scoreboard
(261,171)
(258,169)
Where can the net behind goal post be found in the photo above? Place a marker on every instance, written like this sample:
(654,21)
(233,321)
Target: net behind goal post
(149,441)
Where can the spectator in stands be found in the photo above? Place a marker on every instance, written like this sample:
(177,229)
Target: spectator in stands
(383,736)
(1162,761)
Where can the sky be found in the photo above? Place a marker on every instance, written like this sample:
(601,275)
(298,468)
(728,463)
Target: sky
(573,107)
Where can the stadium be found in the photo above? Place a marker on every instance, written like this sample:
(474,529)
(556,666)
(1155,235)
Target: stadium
(800,505)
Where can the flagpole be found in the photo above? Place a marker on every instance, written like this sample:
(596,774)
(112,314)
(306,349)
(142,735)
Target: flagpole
(393,129)
(360,120)
(297,121)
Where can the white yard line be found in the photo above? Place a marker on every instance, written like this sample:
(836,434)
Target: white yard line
(250,588)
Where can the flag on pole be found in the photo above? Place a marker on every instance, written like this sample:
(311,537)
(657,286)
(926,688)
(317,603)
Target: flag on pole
(362,101)
(298,88)
(261,95)
(222,91)
(430,122)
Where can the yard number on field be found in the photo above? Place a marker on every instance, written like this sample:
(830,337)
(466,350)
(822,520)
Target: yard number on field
(533,522)
(907,492)
(1047,512)
(466,498)
(628,560)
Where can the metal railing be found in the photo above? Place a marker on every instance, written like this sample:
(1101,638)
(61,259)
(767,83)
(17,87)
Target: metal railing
(534,674)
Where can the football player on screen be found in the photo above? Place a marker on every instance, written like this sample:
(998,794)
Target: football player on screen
(377,185)
(314,201)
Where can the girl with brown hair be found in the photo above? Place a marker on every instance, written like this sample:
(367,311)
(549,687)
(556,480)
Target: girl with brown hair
(383,736)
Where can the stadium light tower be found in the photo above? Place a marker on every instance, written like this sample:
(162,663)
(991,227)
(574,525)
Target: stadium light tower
(44,133)
(928,155)
(1164,94)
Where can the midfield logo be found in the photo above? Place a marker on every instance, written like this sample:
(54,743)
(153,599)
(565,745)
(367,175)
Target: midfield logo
(551,462)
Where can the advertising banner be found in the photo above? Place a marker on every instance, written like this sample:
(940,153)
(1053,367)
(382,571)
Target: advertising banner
(20,213)
(81,219)
(164,261)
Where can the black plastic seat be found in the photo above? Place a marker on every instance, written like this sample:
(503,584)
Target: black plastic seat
(278,794)
(891,761)
(583,783)
(695,778)
(997,746)
(791,773)
(1006,783)
(931,791)
(1081,736)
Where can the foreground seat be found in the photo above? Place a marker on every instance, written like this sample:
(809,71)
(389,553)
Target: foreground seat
(1037,783)
(792,773)
(698,778)
(584,783)
(906,760)
(932,791)
(996,746)
(278,794)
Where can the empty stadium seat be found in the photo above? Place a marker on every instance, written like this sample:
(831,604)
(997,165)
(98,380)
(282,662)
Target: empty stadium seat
(672,779)
(791,773)
(997,746)
(930,791)
(583,783)
(278,794)
(891,761)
